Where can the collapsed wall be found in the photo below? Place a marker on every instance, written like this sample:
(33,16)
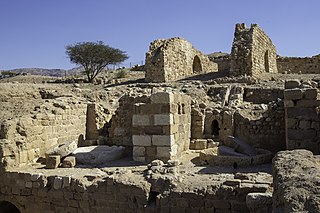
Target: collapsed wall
(175,58)
(300,65)
(25,139)
(253,52)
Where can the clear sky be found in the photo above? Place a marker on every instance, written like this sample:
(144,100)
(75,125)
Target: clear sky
(34,33)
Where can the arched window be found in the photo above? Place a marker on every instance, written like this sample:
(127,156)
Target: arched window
(196,67)
(266,61)
(215,128)
(8,207)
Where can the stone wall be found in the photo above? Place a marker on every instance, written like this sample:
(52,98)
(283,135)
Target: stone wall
(25,139)
(161,127)
(265,129)
(252,52)
(304,65)
(296,176)
(175,58)
(302,117)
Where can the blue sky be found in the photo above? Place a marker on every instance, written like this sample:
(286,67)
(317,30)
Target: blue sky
(34,33)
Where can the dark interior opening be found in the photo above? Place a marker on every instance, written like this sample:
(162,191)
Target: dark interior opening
(215,128)
(8,207)
(197,67)
(152,198)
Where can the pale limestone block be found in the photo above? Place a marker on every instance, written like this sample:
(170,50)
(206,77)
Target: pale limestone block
(163,140)
(162,97)
(141,120)
(163,119)
(139,151)
(141,140)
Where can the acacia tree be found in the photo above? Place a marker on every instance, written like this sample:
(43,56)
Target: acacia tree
(94,56)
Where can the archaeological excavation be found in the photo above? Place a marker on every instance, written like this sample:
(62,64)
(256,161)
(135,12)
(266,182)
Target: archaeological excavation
(238,132)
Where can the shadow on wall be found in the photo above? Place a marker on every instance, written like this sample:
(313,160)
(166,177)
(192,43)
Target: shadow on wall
(8,207)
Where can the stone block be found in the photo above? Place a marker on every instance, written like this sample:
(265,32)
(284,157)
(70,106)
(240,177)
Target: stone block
(306,113)
(151,151)
(294,134)
(291,122)
(163,140)
(141,140)
(288,103)
(63,149)
(52,161)
(293,94)
(291,84)
(308,103)
(259,202)
(198,144)
(141,120)
(139,159)
(311,93)
(162,97)
(304,124)
(57,183)
(163,119)
(69,162)
(139,151)
(164,152)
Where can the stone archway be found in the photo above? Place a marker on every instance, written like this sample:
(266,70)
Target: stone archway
(6,206)
(196,66)
(266,61)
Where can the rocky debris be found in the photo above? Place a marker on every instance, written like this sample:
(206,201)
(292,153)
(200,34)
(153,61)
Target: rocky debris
(98,155)
(63,150)
(259,202)
(240,146)
(53,161)
(224,150)
(69,162)
(296,176)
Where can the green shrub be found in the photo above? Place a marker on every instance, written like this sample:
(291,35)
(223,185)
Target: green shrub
(122,73)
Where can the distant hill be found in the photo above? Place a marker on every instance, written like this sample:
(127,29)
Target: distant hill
(47,72)
(217,54)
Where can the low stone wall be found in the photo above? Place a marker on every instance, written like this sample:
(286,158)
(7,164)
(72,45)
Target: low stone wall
(303,65)
(302,117)
(264,130)
(296,176)
(56,122)
(259,95)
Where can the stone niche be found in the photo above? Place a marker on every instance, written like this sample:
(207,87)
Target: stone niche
(161,127)
(253,52)
(175,58)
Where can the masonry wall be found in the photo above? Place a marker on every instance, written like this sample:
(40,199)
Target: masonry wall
(161,127)
(304,65)
(267,130)
(252,52)
(175,58)
(302,118)
(56,122)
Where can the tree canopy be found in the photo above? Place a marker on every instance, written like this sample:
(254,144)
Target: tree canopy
(94,56)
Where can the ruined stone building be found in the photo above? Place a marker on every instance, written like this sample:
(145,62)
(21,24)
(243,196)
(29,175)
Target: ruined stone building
(227,144)
(171,59)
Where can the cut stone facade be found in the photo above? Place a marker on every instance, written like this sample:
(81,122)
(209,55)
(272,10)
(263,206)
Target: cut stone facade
(161,127)
(302,117)
(252,52)
(173,59)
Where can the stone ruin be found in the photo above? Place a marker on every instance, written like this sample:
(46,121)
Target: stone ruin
(173,59)
(174,146)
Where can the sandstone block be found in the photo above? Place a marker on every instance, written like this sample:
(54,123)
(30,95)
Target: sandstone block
(311,93)
(63,149)
(293,94)
(163,140)
(291,84)
(141,140)
(164,152)
(69,162)
(162,97)
(141,120)
(163,119)
(138,151)
(52,161)
(259,202)
(308,103)
(198,144)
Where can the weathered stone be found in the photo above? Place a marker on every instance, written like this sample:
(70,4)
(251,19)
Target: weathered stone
(224,150)
(63,150)
(97,155)
(141,120)
(291,84)
(69,162)
(163,119)
(240,146)
(259,202)
(163,140)
(311,93)
(141,140)
(52,161)
(293,94)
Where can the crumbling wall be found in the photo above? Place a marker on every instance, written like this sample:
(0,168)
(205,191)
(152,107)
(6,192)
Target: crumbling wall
(252,52)
(175,58)
(27,138)
(302,117)
(161,127)
(265,129)
(296,177)
(304,65)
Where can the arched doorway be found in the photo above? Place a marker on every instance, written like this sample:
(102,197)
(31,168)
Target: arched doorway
(6,206)
(196,67)
(266,61)
(215,128)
